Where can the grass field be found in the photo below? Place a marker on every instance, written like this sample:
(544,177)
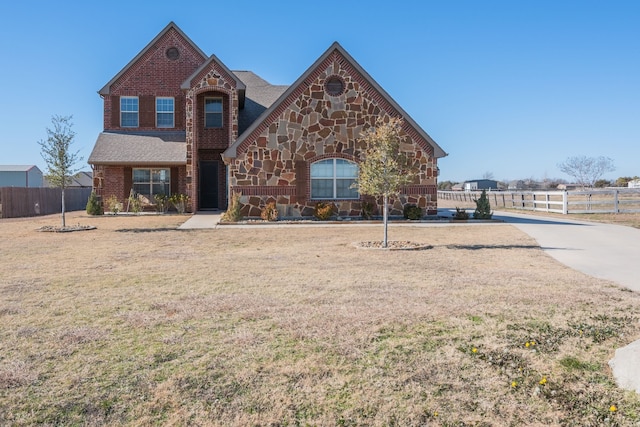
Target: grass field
(136,323)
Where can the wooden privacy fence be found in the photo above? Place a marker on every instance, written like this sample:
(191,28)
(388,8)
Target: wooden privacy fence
(16,202)
(618,200)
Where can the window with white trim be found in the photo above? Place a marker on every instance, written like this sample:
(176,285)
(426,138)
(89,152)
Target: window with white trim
(164,112)
(150,182)
(129,108)
(213,112)
(333,178)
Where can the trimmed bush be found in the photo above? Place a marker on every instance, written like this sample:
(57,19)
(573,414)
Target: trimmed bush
(269,212)
(412,212)
(94,207)
(323,211)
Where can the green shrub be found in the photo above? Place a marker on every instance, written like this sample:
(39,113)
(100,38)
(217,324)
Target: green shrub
(233,211)
(461,214)
(269,212)
(323,211)
(412,212)
(483,209)
(94,207)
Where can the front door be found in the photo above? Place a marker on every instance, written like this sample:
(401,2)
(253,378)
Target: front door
(208,185)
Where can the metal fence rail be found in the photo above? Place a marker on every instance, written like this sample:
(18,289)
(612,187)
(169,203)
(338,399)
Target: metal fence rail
(616,200)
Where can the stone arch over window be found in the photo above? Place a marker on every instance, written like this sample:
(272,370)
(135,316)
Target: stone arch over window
(332,178)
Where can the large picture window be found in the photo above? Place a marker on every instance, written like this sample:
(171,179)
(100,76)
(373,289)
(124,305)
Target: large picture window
(332,179)
(164,112)
(149,182)
(213,112)
(129,111)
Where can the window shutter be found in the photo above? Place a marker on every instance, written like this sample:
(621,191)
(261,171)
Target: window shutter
(301,181)
(115,111)
(128,182)
(174,181)
(147,111)
(178,105)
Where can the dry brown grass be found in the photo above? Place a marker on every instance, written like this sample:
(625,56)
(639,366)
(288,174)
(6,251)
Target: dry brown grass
(137,323)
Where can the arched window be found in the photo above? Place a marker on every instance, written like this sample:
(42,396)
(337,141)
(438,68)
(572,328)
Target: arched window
(332,179)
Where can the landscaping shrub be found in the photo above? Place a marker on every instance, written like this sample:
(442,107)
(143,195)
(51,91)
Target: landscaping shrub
(113,204)
(483,209)
(162,203)
(179,201)
(367,210)
(233,211)
(461,214)
(269,212)
(323,211)
(94,207)
(412,212)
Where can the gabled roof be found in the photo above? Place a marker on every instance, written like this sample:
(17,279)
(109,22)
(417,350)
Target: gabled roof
(186,85)
(290,94)
(105,90)
(240,87)
(127,149)
(17,168)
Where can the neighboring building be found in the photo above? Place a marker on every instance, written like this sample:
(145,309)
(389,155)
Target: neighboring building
(179,121)
(20,176)
(480,184)
(634,183)
(79,180)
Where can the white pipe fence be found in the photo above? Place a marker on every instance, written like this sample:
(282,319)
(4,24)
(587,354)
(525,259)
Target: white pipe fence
(611,200)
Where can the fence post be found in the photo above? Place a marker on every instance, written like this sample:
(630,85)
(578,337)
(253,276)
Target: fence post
(565,202)
(615,201)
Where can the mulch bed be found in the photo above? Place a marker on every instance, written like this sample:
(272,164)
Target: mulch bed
(66,229)
(393,245)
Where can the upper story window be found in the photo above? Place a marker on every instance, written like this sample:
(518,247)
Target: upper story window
(213,112)
(332,179)
(129,111)
(164,112)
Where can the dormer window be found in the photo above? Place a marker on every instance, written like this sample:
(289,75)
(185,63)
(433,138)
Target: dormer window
(213,112)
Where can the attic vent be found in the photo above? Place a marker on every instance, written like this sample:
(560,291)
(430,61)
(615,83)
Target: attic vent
(172,53)
(334,85)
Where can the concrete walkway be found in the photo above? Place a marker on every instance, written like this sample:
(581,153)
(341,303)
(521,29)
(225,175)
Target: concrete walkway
(610,252)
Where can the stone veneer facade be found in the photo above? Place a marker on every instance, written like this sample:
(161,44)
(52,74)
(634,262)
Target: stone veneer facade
(273,163)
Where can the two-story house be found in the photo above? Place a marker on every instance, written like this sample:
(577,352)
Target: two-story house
(179,121)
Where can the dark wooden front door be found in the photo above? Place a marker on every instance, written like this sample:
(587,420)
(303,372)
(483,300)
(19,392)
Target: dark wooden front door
(209,185)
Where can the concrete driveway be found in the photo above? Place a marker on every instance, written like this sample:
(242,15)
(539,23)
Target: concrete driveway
(610,252)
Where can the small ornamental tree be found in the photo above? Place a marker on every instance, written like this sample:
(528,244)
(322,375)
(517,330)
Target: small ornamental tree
(483,208)
(587,170)
(384,169)
(57,154)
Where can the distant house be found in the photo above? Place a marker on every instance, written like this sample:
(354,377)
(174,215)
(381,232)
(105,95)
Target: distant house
(79,180)
(20,176)
(634,183)
(480,184)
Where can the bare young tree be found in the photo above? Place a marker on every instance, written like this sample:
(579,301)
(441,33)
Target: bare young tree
(57,154)
(383,170)
(586,170)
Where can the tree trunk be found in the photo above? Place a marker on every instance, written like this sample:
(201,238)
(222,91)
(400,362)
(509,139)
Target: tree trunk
(385,219)
(63,222)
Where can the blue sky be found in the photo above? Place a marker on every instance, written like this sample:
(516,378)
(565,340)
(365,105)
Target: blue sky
(510,88)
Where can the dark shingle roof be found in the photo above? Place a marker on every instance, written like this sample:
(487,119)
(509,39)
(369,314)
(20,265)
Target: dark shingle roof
(128,149)
(259,96)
